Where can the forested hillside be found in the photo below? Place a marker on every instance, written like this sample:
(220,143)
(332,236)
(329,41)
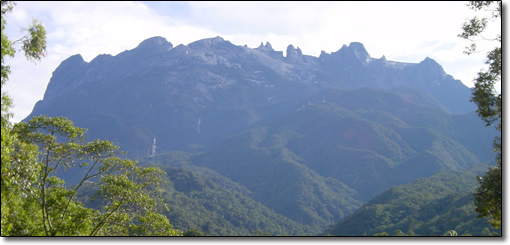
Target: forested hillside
(320,163)
(427,207)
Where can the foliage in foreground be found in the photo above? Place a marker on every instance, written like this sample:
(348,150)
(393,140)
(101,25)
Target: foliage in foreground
(35,202)
(488,196)
(38,203)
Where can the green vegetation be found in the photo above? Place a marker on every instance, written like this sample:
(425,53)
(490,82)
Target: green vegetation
(19,168)
(281,181)
(202,200)
(315,184)
(488,196)
(35,202)
(33,43)
(130,196)
(427,207)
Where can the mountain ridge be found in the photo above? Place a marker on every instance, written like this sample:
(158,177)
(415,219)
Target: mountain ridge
(306,138)
(193,84)
(354,52)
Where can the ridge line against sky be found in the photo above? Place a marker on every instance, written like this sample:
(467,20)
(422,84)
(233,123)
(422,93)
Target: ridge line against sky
(401,31)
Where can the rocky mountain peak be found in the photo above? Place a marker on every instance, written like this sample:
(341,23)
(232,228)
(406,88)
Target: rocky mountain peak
(62,79)
(265,47)
(268,49)
(74,60)
(360,51)
(262,67)
(293,53)
(355,51)
(430,62)
(155,42)
(207,43)
(432,66)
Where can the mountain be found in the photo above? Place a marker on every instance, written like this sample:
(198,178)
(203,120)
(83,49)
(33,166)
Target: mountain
(192,97)
(203,199)
(200,199)
(321,162)
(316,164)
(297,142)
(428,207)
(365,147)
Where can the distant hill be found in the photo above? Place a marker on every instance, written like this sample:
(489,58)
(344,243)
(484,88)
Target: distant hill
(427,207)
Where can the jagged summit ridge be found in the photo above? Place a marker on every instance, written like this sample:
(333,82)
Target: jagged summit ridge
(354,49)
(360,51)
(265,47)
(158,43)
(215,64)
(268,50)
(355,52)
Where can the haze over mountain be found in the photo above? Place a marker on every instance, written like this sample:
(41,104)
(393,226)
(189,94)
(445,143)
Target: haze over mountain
(190,97)
(303,140)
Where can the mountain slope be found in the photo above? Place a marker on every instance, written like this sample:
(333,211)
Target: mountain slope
(196,201)
(278,179)
(192,97)
(367,148)
(429,207)
(322,161)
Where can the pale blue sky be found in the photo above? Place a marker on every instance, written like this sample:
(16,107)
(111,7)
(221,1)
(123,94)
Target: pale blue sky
(402,31)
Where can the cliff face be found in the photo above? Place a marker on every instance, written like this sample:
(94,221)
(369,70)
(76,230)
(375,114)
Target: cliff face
(192,97)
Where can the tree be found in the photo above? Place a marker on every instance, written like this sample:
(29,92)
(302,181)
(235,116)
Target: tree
(194,232)
(488,195)
(129,194)
(36,202)
(18,159)
(33,43)
(410,233)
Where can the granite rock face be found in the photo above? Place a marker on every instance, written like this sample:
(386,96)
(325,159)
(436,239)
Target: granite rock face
(193,96)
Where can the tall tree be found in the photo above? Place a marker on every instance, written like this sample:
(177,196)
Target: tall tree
(19,165)
(488,201)
(130,194)
(35,202)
